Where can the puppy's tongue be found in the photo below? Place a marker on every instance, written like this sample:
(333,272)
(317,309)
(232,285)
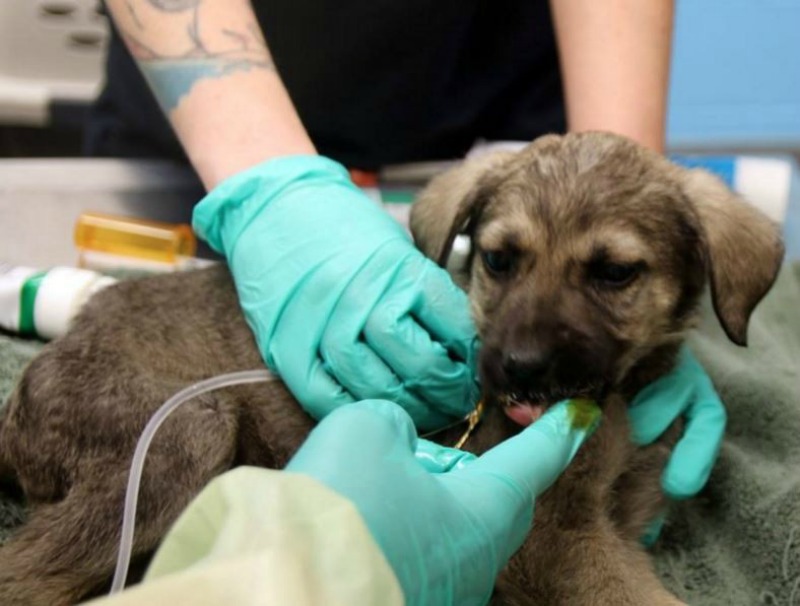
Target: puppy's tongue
(524,413)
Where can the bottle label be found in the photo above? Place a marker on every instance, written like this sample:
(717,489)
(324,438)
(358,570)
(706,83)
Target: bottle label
(27,303)
(18,287)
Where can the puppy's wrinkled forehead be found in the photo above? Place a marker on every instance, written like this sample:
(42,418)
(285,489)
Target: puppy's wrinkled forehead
(568,199)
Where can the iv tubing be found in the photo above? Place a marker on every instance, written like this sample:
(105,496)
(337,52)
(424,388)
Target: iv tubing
(137,465)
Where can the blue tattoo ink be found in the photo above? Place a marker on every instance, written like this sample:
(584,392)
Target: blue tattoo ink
(172,80)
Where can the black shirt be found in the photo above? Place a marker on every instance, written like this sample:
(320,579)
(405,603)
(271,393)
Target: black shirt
(377,81)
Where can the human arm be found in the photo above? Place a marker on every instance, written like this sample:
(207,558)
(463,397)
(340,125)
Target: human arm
(211,71)
(446,524)
(342,305)
(357,518)
(615,58)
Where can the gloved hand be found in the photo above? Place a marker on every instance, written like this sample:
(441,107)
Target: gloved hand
(686,391)
(449,524)
(343,306)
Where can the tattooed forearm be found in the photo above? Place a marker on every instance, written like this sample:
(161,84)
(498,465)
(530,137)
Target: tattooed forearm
(179,43)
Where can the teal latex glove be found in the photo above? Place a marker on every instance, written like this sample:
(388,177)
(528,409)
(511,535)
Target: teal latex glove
(343,306)
(686,391)
(447,522)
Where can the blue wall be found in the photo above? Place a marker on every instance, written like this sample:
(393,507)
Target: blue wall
(736,74)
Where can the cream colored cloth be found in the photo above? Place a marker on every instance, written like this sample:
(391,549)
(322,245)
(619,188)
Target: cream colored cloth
(256,536)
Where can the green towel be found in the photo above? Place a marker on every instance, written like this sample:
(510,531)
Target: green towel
(14,355)
(739,542)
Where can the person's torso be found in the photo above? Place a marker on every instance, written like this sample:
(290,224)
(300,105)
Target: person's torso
(380,82)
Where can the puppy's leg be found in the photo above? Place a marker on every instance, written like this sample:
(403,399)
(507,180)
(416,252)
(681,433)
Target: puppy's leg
(600,568)
(67,550)
(640,573)
(592,566)
(53,539)
(576,554)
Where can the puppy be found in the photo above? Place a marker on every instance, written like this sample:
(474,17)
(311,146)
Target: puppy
(588,257)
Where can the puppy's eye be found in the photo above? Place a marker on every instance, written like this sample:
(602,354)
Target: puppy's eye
(615,275)
(498,262)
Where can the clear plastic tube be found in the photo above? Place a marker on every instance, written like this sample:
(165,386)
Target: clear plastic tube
(137,465)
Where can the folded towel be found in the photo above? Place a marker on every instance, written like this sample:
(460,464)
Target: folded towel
(739,542)
(14,355)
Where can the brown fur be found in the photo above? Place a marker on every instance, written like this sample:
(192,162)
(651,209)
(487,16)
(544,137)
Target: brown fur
(563,207)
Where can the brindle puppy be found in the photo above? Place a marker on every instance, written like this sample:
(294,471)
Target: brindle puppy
(589,255)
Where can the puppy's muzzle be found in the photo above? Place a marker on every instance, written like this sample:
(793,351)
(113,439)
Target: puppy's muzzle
(528,380)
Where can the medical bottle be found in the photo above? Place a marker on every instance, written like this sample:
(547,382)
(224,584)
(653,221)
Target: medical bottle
(43,303)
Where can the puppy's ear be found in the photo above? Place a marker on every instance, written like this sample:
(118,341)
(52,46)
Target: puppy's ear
(450,202)
(743,250)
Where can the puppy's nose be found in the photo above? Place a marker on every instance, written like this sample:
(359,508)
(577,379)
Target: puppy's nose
(526,367)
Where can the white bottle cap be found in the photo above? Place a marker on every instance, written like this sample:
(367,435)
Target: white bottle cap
(61,295)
